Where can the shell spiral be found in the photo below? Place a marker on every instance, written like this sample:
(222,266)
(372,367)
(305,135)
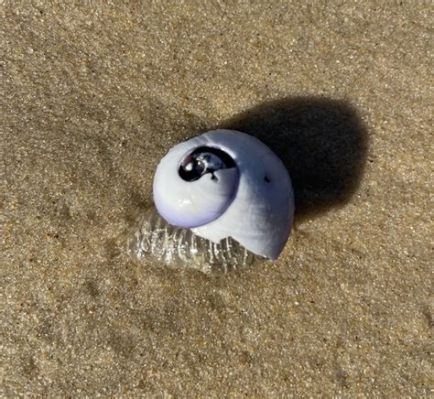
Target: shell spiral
(224,185)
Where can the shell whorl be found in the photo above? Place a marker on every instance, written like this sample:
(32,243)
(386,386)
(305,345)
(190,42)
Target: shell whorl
(194,186)
(225,184)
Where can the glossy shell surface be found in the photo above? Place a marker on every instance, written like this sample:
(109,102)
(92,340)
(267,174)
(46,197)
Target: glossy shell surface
(250,200)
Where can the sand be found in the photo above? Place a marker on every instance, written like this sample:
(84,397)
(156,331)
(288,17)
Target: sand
(94,95)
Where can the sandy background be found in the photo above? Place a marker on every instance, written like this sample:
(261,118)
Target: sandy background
(93,96)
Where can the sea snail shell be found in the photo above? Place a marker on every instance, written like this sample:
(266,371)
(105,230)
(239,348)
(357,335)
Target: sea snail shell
(223,184)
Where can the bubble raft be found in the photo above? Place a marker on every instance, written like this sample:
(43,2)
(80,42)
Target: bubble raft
(181,248)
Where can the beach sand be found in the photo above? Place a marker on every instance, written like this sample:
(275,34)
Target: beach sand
(94,95)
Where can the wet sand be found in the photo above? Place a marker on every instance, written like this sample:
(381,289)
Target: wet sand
(93,97)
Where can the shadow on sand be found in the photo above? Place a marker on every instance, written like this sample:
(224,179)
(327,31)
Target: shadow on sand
(322,142)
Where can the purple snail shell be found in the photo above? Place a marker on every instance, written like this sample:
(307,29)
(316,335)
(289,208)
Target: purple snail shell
(224,184)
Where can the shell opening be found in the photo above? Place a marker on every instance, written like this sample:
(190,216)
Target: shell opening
(204,160)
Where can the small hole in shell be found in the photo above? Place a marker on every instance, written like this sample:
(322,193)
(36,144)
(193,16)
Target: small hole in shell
(267,179)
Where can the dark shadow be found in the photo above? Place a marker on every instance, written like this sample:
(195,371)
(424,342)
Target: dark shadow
(322,142)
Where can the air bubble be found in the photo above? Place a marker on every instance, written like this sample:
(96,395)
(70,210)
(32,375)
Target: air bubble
(154,238)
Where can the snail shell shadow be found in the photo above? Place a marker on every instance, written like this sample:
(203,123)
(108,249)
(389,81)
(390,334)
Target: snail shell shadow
(322,142)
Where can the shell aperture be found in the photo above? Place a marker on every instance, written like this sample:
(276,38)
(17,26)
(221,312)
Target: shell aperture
(225,184)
